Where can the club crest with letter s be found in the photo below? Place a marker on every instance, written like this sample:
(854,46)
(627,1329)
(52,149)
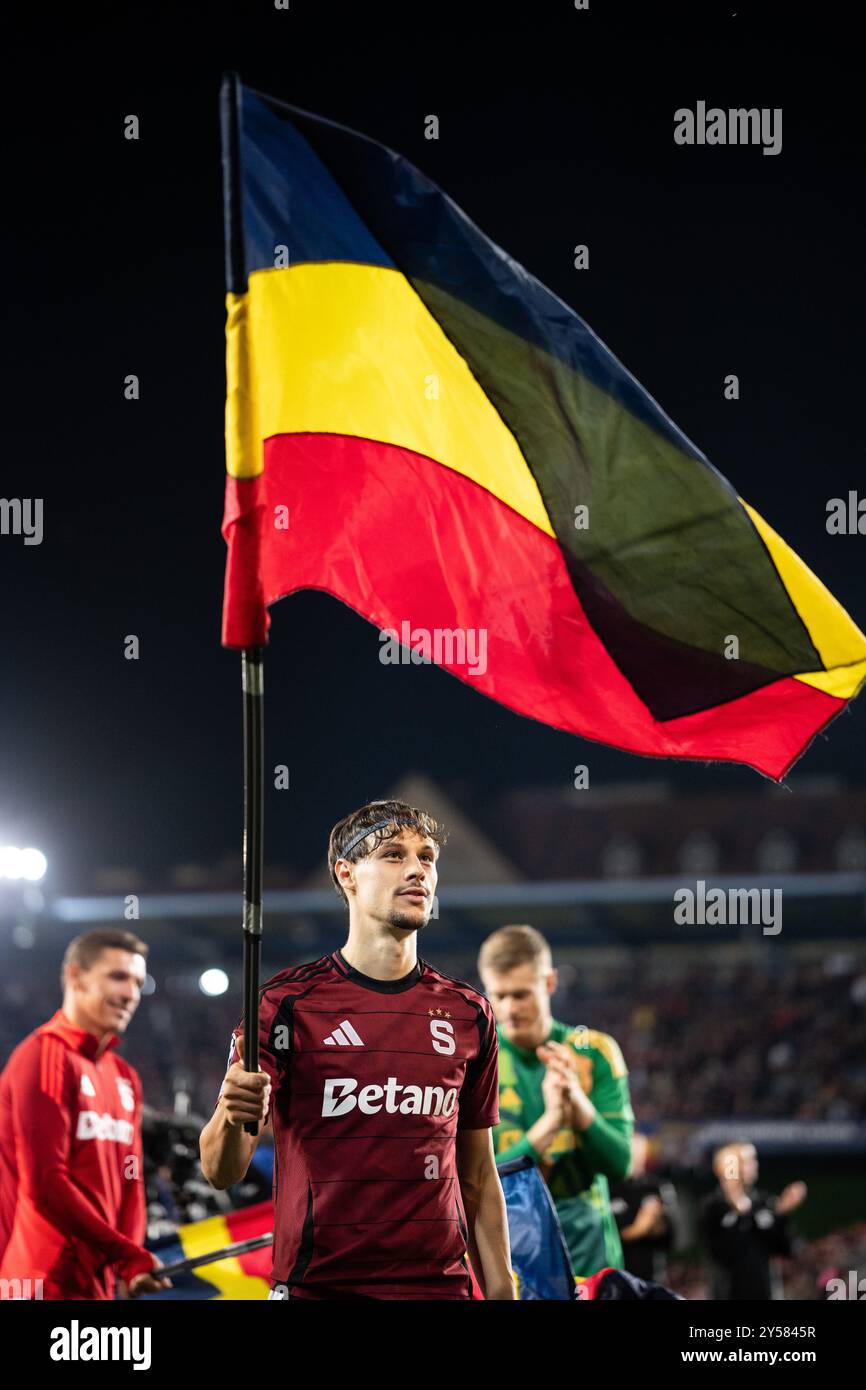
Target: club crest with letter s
(127,1095)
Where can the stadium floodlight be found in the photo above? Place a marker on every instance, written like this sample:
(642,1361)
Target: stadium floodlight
(18,863)
(33,864)
(213,982)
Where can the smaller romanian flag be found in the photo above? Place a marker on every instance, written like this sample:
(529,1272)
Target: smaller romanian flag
(246,1276)
(416,425)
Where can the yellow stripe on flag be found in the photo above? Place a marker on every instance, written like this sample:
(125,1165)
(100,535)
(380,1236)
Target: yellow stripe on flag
(227,1276)
(839,642)
(337,348)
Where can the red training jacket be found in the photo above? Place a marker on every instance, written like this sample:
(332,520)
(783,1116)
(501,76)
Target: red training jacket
(72,1210)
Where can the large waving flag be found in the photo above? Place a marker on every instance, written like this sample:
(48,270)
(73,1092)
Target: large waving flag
(416,425)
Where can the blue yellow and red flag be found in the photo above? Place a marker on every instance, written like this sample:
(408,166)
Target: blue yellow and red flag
(245,1276)
(416,425)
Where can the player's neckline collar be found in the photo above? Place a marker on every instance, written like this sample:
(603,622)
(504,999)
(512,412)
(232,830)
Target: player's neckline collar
(380,986)
(79,1039)
(529,1054)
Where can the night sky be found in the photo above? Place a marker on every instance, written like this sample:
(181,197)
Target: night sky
(553,131)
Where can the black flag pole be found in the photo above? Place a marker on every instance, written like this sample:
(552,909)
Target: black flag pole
(251,660)
(228,1252)
(252,668)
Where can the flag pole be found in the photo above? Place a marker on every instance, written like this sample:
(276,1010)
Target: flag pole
(251,658)
(252,680)
(228,1252)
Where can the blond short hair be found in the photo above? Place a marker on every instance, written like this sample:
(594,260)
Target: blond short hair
(509,947)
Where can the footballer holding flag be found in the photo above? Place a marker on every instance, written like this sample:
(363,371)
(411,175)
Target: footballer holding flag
(380,1083)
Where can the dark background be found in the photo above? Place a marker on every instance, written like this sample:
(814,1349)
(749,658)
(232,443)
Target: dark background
(554,130)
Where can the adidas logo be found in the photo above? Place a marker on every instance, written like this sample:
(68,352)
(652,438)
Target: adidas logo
(344,1036)
(87,1086)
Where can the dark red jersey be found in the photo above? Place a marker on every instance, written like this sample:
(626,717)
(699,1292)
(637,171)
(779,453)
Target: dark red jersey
(372,1079)
(71,1182)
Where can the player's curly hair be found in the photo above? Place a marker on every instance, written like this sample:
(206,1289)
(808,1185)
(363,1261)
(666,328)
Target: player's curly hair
(398,815)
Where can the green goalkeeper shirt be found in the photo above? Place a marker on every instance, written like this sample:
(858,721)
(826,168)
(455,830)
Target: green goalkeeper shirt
(577,1165)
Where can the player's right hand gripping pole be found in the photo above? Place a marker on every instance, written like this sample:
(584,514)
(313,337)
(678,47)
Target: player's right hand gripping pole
(252,672)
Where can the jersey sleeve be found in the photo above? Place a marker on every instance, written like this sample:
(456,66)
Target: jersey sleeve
(479,1095)
(607,1142)
(43,1105)
(773,1229)
(511,1141)
(133,1211)
(723,1241)
(274,1042)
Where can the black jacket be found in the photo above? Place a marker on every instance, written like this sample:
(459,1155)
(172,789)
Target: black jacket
(741,1245)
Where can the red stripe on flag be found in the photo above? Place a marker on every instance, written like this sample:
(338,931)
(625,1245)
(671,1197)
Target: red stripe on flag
(399,537)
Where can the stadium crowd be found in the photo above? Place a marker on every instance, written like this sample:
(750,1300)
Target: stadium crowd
(735,1041)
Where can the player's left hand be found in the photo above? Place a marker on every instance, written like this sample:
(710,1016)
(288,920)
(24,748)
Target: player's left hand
(149,1283)
(558,1057)
(791,1197)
